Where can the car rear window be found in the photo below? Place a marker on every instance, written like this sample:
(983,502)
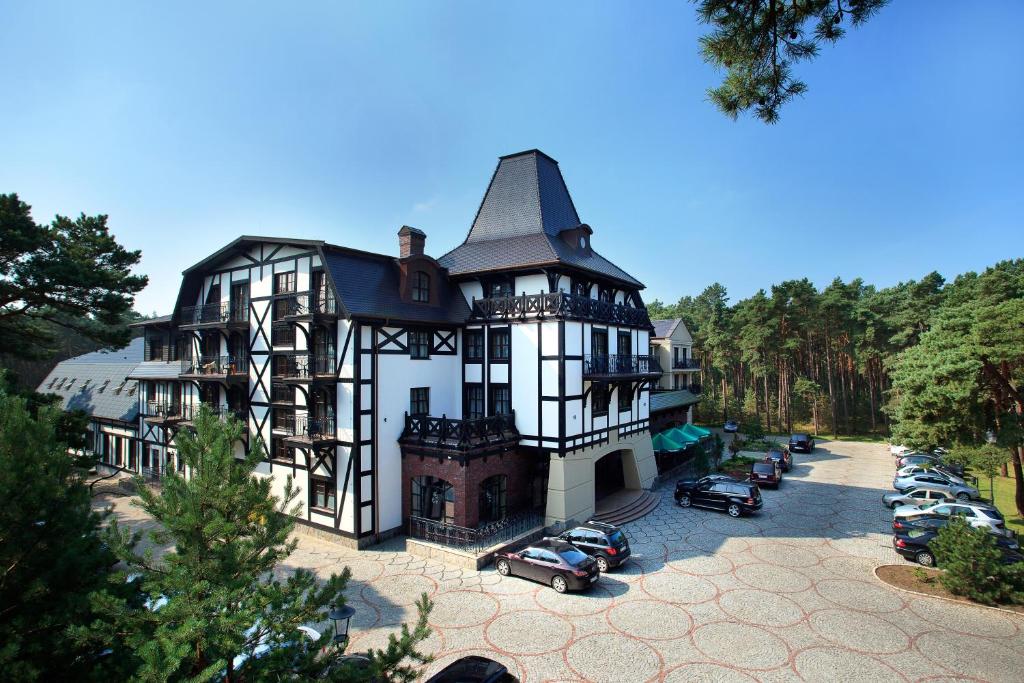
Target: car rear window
(764,467)
(572,556)
(617,537)
(799,437)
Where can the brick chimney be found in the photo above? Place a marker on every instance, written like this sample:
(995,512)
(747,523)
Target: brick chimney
(411,242)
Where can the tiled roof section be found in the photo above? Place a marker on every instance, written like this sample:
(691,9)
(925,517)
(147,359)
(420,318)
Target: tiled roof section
(129,354)
(100,389)
(159,320)
(666,400)
(664,328)
(156,369)
(369,287)
(525,208)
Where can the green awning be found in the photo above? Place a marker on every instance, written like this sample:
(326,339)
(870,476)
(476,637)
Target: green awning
(679,435)
(664,443)
(695,432)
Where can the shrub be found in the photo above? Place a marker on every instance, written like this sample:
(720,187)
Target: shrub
(753,430)
(974,565)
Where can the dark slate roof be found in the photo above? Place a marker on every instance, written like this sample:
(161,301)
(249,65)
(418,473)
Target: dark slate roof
(664,328)
(97,383)
(368,286)
(159,320)
(156,369)
(526,206)
(666,400)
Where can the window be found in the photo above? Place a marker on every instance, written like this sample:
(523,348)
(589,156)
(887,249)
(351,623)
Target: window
(500,289)
(420,287)
(433,498)
(501,345)
(599,399)
(279,451)
(625,345)
(474,345)
(284,283)
(599,343)
(493,496)
(282,335)
(419,344)
(474,401)
(419,401)
(156,348)
(501,399)
(283,420)
(281,393)
(625,398)
(321,494)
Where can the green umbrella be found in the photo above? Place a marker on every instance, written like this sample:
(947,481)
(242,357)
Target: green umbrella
(696,433)
(679,434)
(664,443)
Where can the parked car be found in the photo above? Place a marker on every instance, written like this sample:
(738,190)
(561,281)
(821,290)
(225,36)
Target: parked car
(977,514)
(911,470)
(735,497)
(960,491)
(913,545)
(781,457)
(604,542)
(938,521)
(766,473)
(801,442)
(922,495)
(473,669)
(731,427)
(560,565)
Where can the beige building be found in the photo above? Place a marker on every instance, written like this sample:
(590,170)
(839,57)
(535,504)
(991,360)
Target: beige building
(672,344)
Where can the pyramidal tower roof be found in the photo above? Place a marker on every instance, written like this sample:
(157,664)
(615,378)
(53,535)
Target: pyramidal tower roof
(526,206)
(527,195)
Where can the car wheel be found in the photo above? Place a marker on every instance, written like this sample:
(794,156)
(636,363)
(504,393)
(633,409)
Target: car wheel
(963,497)
(503,567)
(925,559)
(602,564)
(559,584)
(734,510)
(893,505)
(684,501)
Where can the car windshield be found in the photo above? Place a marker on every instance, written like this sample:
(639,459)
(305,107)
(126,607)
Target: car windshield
(572,556)
(774,454)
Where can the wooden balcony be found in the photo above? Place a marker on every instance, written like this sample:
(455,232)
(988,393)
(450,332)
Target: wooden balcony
(305,368)
(613,367)
(308,431)
(221,314)
(457,438)
(306,306)
(161,413)
(558,305)
(224,369)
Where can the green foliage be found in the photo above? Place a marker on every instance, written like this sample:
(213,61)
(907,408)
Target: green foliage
(974,565)
(759,41)
(221,580)
(753,430)
(71,274)
(51,556)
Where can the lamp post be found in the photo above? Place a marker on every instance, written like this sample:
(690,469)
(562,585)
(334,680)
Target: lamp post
(341,617)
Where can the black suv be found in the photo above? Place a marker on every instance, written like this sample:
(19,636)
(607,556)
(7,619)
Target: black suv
(735,497)
(801,442)
(604,542)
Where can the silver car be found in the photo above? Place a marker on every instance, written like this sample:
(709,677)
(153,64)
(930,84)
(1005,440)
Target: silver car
(961,492)
(977,515)
(922,495)
(911,470)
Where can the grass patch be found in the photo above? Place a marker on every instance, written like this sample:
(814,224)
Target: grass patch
(1003,497)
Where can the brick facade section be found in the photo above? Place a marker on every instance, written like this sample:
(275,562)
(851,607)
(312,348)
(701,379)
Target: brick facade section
(466,479)
(665,419)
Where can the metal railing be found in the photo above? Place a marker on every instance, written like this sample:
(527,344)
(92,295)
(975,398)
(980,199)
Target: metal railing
(462,435)
(308,427)
(558,304)
(686,364)
(304,366)
(215,313)
(306,303)
(620,364)
(474,540)
(215,365)
(162,409)
(191,411)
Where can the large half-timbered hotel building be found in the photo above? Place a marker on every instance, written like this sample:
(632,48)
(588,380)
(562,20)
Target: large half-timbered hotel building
(512,373)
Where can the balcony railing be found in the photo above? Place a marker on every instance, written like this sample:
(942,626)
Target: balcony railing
(454,435)
(191,411)
(305,304)
(217,313)
(161,409)
(686,364)
(560,305)
(474,540)
(619,365)
(304,366)
(310,428)
(215,365)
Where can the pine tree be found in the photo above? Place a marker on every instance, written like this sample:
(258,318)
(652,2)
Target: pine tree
(213,598)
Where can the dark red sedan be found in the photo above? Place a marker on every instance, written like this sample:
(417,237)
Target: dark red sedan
(552,561)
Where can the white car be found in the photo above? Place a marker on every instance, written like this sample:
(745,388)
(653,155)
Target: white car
(911,470)
(982,516)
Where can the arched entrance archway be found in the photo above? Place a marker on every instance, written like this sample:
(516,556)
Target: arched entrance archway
(614,472)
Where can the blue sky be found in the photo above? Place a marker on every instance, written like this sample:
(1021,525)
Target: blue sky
(190,124)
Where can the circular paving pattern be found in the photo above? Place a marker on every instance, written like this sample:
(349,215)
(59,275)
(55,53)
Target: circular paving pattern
(398,589)
(458,609)
(760,607)
(862,632)
(691,561)
(650,619)
(785,555)
(711,542)
(972,621)
(528,632)
(741,645)
(832,664)
(593,601)
(679,588)
(772,578)
(859,595)
(612,657)
(713,673)
(981,657)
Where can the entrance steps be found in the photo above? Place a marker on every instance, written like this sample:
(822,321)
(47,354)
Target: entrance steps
(625,506)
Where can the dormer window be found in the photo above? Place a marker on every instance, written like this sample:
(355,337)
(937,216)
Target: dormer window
(420,287)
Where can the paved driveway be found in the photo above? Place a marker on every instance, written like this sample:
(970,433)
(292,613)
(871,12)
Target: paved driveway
(786,595)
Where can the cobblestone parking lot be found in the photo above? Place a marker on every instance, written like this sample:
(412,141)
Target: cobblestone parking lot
(788,594)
